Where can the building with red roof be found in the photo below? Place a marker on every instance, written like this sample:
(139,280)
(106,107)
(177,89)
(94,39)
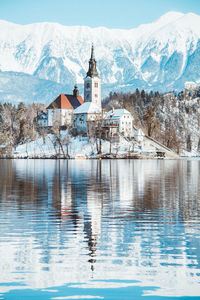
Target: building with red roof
(61,109)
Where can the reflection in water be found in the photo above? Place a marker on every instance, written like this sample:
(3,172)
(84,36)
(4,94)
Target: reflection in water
(95,224)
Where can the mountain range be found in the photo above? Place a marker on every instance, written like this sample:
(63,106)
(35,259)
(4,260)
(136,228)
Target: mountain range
(39,61)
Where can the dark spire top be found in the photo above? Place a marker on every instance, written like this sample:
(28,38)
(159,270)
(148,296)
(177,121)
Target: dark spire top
(92,71)
(92,52)
(75,91)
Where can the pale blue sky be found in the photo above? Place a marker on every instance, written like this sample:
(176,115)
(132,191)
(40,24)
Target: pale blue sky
(108,13)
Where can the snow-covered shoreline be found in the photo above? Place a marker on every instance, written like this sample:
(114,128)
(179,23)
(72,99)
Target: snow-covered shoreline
(80,147)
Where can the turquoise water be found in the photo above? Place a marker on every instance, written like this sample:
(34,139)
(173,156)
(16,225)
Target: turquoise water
(110,229)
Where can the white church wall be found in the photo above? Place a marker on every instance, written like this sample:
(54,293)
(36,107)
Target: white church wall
(63,116)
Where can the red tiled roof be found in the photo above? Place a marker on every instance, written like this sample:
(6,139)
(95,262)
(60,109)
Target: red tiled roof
(66,102)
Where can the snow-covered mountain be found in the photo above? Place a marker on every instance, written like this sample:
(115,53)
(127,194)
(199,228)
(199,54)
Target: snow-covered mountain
(158,56)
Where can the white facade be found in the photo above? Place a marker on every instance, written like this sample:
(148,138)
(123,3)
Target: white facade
(121,118)
(87,112)
(92,90)
(62,116)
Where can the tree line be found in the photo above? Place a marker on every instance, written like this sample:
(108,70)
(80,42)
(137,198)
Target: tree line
(172,119)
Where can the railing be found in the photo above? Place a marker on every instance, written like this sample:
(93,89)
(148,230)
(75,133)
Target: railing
(161,145)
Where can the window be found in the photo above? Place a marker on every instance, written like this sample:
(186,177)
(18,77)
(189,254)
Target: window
(96,95)
(87,85)
(87,96)
(96,84)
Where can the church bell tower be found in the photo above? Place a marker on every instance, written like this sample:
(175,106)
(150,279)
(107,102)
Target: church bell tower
(92,82)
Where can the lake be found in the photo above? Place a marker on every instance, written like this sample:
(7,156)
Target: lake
(99,229)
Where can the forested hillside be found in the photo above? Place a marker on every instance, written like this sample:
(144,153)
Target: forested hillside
(174,120)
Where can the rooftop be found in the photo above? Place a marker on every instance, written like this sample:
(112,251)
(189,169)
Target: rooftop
(116,113)
(88,107)
(65,101)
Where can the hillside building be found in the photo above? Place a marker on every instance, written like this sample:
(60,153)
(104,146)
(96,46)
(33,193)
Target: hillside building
(61,109)
(42,119)
(86,115)
(119,121)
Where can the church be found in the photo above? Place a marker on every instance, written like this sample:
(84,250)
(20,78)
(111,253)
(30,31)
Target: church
(85,116)
(67,109)
(90,111)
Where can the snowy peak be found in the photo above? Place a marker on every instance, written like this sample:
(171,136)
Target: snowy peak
(168,18)
(158,56)
(177,18)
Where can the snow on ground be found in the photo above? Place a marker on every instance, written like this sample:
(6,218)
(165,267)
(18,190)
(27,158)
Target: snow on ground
(78,147)
(83,147)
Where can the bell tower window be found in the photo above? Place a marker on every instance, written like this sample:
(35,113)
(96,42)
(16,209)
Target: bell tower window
(96,85)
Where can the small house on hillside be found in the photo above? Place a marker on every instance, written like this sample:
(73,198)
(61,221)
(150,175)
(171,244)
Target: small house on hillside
(119,120)
(61,109)
(42,119)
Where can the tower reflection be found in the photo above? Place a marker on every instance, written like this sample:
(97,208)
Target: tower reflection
(67,221)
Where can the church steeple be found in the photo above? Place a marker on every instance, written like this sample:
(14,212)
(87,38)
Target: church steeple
(92,82)
(92,71)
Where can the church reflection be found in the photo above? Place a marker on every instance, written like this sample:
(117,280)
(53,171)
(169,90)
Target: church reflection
(72,190)
(81,207)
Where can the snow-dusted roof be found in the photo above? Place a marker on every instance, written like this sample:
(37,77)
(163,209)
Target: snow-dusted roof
(87,108)
(116,113)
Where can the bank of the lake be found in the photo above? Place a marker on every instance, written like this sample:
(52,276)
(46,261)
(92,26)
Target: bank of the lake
(88,148)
